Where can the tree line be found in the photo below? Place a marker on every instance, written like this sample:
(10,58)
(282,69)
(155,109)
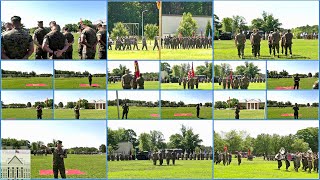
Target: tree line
(289,104)
(137,103)
(7,73)
(45,104)
(81,103)
(267,144)
(181,104)
(284,73)
(248,69)
(154,140)
(121,70)
(181,70)
(76,74)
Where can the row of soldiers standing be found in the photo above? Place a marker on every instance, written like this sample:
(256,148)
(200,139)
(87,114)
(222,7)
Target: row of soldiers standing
(167,155)
(236,83)
(196,42)
(17,43)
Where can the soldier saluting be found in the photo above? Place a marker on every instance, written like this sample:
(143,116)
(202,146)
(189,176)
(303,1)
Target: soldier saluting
(58,160)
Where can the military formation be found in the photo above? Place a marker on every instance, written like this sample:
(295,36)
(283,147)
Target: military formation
(238,82)
(17,43)
(275,40)
(168,42)
(226,158)
(132,82)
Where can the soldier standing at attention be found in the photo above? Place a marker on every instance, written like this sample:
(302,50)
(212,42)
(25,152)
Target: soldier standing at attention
(173,156)
(239,156)
(154,157)
(80,46)
(144,43)
(140,82)
(39,112)
(184,83)
(256,40)
(224,82)
(102,37)
(70,39)
(55,43)
(90,79)
(134,83)
(125,111)
(296,111)
(126,80)
(16,43)
(160,158)
(198,110)
(197,82)
(296,80)
(156,44)
(275,42)
(310,158)
(168,157)
(77,112)
(270,42)
(240,41)
(282,42)
(89,41)
(236,112)
(38,40)
(59,155)
(288,42)
(236,83)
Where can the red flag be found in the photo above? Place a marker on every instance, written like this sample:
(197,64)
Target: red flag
(192,71)
(136,69)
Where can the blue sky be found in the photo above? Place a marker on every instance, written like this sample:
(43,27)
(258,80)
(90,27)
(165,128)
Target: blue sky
(84,133)
(241,95)
(73,96)
(40,67)
(135,95)
(167,127)
(188,97)
(25,96)
(255,128)
(63,12)
(144,66)
(294,67)
(290,13)
(90,66)
(302,97)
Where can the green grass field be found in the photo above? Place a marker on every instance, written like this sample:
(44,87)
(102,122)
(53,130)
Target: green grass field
(305,83)
(94,166)
(202,86)
(25,113)
(20,83)
(147,85)
(169,113)
(75,54)
(84,114)
(244,114)
(144,169)
(259,169)
(74,83)
(301,49)
(166,54)
(252,86)
(304,113)
(135,112)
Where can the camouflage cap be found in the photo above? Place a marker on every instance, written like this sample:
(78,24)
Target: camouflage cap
(15,18)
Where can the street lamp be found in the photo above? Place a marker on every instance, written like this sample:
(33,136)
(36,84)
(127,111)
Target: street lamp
(142,22)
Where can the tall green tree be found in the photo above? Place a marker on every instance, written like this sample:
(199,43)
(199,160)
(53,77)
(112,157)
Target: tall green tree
(187,25)
(119,30)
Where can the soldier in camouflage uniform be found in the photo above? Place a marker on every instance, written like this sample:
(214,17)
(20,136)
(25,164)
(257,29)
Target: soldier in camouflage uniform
(70,39)
(296,162)
(237,111)
(102,37)
(89,41)
(236,83)
(135,43)
(140,82)
(126,80)
(168,157)
(160,155)
(310,158)
(39,112)
(154,158)
(275,42)
(156,44)
(55,43)
(144,43)
(59,155)
(255,40)
(125,111)
(80,45)
(173,156)
(16,43)
(288,42)
(38,40)
(240,41)
(77,112)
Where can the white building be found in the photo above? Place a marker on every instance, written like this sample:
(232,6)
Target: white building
(99,104)
(170,24)
(251,104)
(15,164)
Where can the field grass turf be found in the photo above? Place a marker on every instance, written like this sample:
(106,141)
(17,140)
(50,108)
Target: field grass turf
(74,83)
(304,113)
(20,83)
(244,114)
(84,114)
(168,112)
(25,113)
(301,49)
(134,112)
(202,86)
(252,86)
(75,54)
(147,85)
(166,54)
(144,169)
(259,169)
(94,166)
(305,83)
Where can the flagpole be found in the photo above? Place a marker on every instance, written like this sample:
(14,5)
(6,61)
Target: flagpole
(160,27)
(117,104)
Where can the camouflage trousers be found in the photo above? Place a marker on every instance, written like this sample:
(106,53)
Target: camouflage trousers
(240,48)
(256,50)
(59,168)
(275,48)
(288,46)
(310,166)
(88,55)
(41,54)
(296,165)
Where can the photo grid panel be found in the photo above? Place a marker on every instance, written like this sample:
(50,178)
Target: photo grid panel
(159,89)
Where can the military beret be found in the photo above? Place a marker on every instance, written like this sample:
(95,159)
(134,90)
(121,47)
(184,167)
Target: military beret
(59,142)
(15,18)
